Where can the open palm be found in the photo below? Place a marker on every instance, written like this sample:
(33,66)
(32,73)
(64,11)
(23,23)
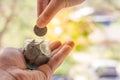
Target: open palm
(12,61)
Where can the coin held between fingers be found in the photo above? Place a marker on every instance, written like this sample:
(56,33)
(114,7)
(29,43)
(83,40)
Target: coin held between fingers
(40,31)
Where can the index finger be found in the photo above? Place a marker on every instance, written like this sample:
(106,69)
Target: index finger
(53,7)
(41,5)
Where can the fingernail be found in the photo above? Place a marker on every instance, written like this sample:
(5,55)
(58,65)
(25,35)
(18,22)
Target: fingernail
(71,43)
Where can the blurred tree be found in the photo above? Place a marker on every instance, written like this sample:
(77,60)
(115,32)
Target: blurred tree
(16,19)
(8,18)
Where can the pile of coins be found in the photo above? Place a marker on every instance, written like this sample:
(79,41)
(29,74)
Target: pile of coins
(36,53)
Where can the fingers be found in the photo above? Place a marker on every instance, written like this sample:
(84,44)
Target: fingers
(54,45)
(41,5)
(70,43)
(70,3)
(58,58)
(53,7)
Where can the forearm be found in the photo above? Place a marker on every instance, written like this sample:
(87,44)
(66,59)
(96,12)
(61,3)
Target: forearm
(5,75)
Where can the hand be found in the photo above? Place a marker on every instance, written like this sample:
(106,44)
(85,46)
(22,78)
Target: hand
(48,8)
(13,65)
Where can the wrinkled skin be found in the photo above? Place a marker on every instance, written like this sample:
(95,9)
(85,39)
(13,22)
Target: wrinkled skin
(47,9)
(13,65)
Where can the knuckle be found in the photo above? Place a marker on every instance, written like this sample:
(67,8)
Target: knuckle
(68,3)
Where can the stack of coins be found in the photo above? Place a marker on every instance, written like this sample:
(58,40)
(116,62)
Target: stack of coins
(36,53)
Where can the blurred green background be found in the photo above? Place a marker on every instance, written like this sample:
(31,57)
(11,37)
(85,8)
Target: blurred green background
(93,26)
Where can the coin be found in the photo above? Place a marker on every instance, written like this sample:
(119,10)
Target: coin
(40,31)
(30,50)
(44,47)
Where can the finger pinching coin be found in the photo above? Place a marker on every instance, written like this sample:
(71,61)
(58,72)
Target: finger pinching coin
(40,31)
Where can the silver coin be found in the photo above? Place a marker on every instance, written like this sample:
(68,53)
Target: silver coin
(44,47)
